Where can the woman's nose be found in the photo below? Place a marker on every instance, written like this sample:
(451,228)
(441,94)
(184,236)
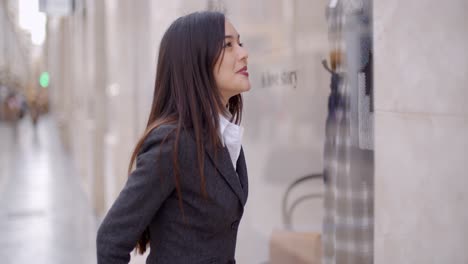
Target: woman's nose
(243,54)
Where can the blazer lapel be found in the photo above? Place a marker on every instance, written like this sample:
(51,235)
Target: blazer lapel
(242,173)
(223,163)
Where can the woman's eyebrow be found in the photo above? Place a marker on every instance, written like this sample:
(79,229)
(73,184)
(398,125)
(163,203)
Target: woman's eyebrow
(231,36)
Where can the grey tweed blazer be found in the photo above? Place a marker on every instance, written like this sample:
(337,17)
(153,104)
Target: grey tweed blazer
(149,199)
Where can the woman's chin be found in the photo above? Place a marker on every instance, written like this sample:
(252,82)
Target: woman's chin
(246,87)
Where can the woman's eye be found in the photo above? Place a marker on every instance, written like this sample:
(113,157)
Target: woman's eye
(229,45)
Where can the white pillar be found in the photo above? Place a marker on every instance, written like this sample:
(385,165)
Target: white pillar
(97,98)
(421,88)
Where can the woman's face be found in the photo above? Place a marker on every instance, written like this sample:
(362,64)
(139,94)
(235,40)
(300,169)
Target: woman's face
(230,71)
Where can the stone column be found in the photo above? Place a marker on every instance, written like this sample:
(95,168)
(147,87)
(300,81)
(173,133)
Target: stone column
(421,132)
(122,91)
(97,98)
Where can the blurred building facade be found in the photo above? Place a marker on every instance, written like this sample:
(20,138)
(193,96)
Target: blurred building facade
(15,49)
(21,62)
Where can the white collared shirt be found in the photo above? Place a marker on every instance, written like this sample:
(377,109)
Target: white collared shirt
(231,137)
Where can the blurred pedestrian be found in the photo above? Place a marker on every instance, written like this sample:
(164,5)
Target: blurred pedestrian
(34,111)
(187,194)
(13,107)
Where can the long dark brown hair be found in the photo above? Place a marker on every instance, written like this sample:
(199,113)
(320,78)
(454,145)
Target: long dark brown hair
(185,91)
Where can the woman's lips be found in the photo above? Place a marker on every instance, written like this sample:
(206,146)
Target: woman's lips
(243,71)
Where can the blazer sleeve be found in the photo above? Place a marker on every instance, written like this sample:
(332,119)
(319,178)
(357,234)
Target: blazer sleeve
(145,190)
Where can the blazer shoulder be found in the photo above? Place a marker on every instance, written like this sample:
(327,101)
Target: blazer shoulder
(157,136)
(167,133)
(162,131)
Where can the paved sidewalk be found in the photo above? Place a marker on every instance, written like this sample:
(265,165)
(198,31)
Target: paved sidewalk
(45,217)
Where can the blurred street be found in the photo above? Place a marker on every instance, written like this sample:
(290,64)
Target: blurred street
(44,215)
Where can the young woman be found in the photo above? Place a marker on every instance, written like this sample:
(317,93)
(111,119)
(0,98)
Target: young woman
(187,193)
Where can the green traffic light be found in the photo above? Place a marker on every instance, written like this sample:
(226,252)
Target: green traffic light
(44,80)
